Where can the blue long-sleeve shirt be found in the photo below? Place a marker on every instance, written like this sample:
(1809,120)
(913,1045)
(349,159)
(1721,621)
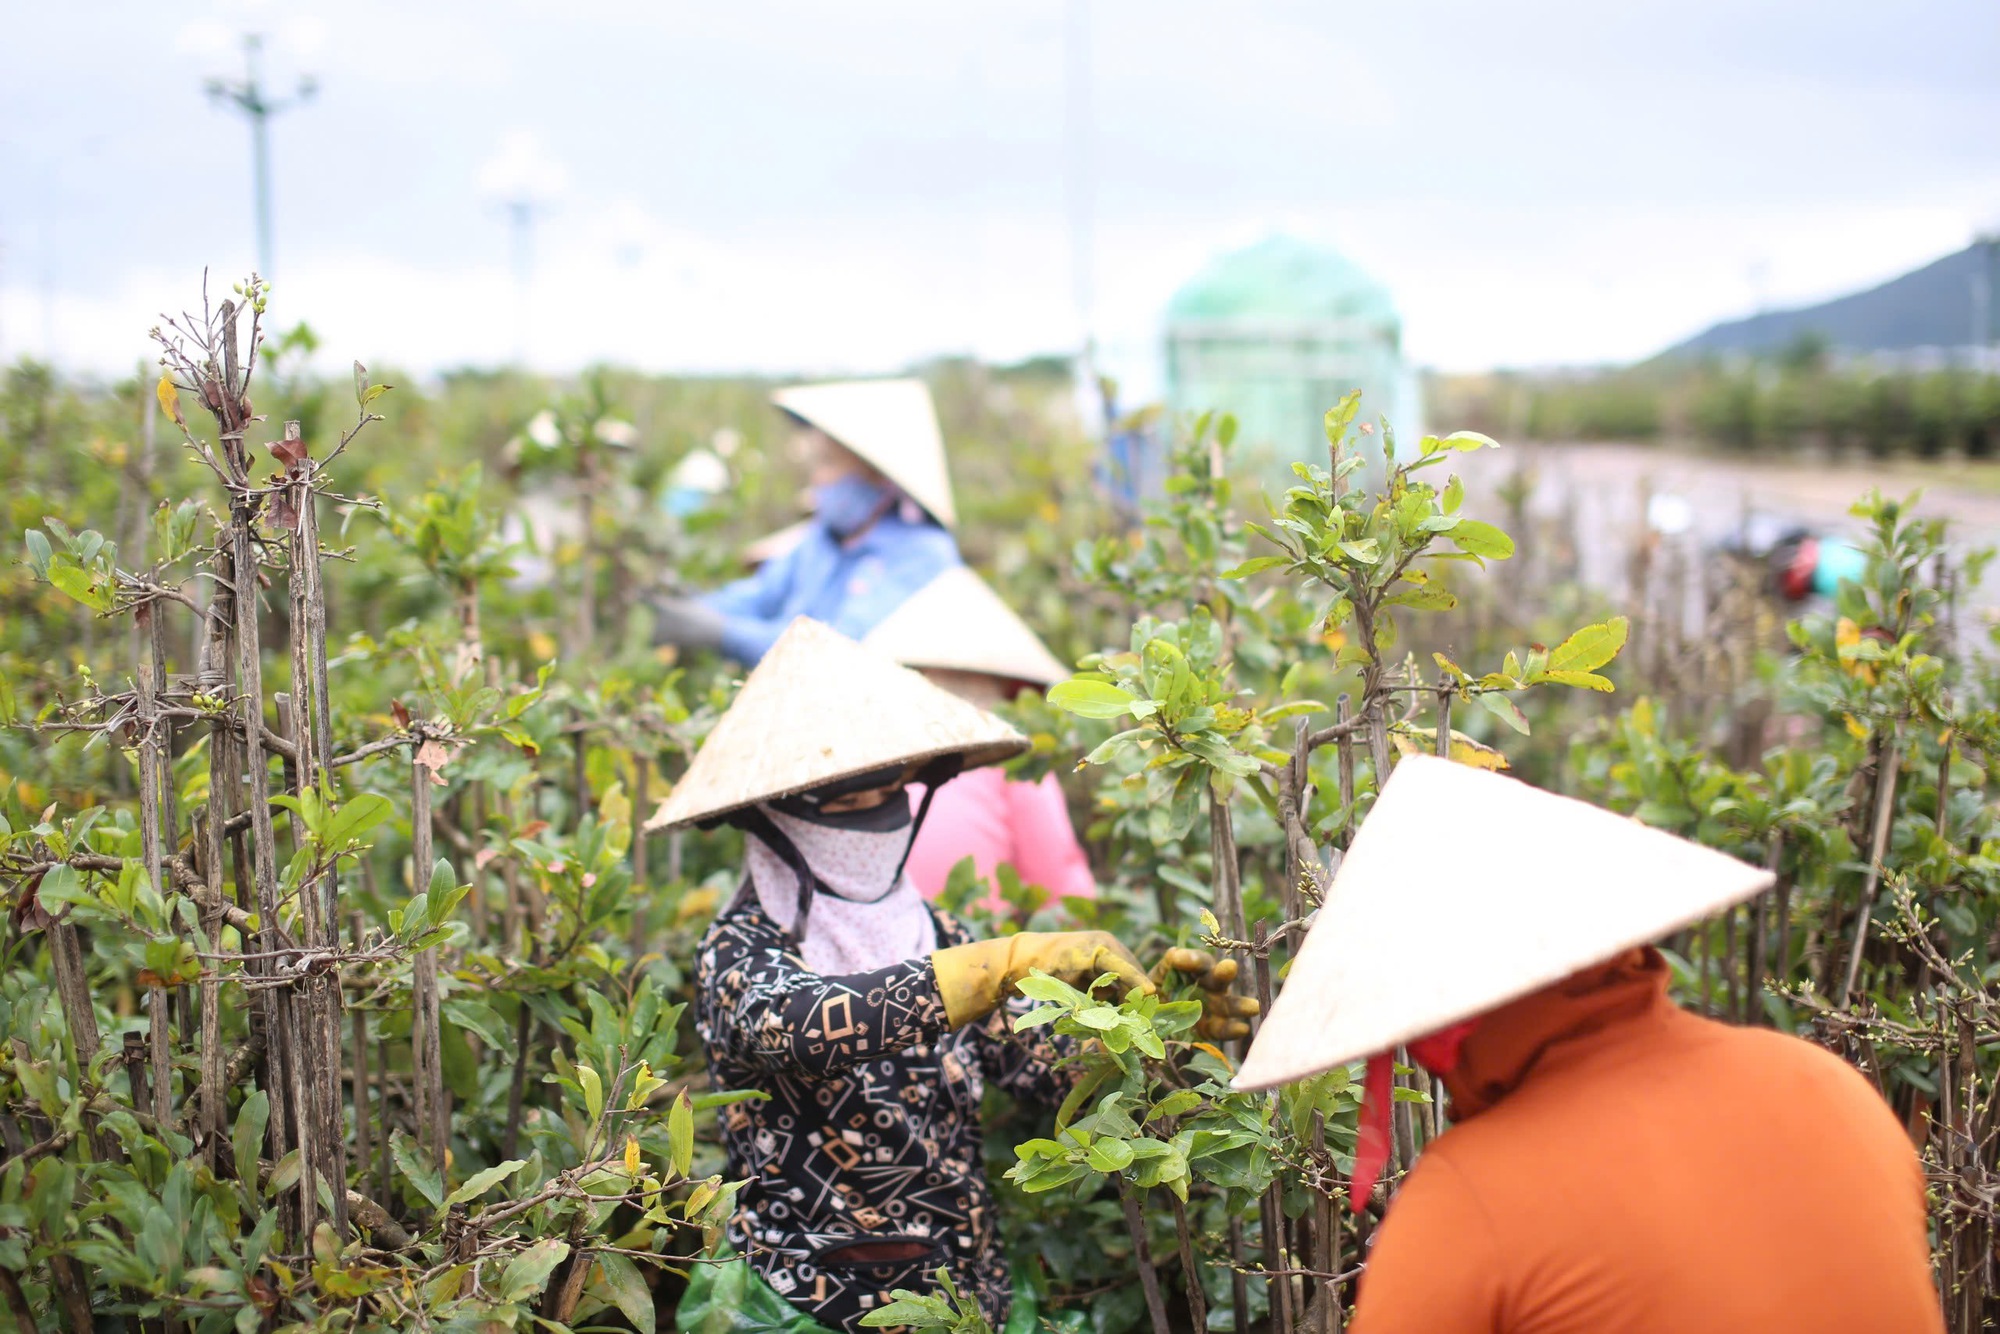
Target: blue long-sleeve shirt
(851,588)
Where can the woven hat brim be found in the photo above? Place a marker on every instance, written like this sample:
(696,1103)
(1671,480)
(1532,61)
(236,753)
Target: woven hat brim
(892,424)
(1464,890)
(821,708)
(958,623)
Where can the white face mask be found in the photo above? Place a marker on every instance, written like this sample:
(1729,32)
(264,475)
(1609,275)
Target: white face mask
(867,915)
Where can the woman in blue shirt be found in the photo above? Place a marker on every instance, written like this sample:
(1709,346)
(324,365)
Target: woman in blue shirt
(881,527)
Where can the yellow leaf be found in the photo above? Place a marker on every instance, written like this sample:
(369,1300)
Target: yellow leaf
(632,1155)
(170,399)
(614,815)
(697,905)
(1335,638)
(1855,728)
(1846,637)
(1411,740)
(1214,1051)
(702,1196)
(541,645)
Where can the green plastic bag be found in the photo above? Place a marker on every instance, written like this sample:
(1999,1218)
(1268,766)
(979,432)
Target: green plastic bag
(729,1297)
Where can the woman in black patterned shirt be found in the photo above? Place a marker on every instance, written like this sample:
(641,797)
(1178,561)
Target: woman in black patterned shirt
(872,1022)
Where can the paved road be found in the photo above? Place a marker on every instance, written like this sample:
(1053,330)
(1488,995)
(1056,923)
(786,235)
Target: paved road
(1607,484)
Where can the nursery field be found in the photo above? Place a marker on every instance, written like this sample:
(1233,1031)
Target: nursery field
(340,992)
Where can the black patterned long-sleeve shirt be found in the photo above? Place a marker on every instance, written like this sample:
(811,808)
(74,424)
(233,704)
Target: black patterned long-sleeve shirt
(872,1130)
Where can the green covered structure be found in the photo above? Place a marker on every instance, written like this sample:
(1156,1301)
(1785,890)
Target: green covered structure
(1275,333)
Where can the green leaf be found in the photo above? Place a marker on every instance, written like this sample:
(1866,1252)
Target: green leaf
(1423,599)
(1252,566)
(1590,648)
(680,1136)
(1091,699)
(355,817)
(1103,1018)
(1341,415)
(480,1018)
(593,1091)
(528,1273)
(1482,539)
(1109,1155)
(1454,496)
(1504,709)
(628,1290)
(39,553)
(1366,550)
(80,584)
(1466,441)
(481,1182)
(1039,986)
(1115,745)
(284,1176)
(246,1137)
(1035,1018)
(1586,680)
(417,1169)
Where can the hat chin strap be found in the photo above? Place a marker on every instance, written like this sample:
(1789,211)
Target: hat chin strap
(753,821)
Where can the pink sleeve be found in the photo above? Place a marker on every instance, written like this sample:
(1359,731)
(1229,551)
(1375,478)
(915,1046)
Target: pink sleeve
(1046,851)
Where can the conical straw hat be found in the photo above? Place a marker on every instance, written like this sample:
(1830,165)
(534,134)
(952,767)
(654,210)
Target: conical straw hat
(891,424)
(1464,890)
(817,709)
(958,623)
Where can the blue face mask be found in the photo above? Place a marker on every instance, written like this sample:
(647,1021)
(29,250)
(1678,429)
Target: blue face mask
(844,506)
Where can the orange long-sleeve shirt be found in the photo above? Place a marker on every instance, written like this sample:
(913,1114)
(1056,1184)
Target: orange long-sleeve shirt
(1620,1166)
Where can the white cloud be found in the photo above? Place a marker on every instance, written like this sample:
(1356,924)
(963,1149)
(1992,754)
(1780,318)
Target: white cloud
(855,188)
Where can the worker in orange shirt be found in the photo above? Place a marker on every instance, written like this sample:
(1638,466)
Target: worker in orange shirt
(1615,1163)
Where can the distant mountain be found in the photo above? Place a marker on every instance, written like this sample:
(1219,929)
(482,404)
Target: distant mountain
(1942,305)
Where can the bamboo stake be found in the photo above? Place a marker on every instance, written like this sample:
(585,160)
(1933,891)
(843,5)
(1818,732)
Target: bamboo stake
(1273,1212)
(1222,851)
(517,1086)
(162,1060)
(313,739)
(385,1161)
(249,711)
(1731,1009)
(154,782)
(1190,1267)
(1703,968)
(425,1038)
(71,1287)
(363,1141)
(1239,1281)
(1326,1233)
(73,991)
(1344,750)
(1142,1260)
(1944,789)
(1885,810)
(641,772)
(1760,933)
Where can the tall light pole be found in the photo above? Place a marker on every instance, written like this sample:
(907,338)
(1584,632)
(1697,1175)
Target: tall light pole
(250,98)
(522,180)
(1079,189)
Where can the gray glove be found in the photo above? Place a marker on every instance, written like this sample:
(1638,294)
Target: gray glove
(686,623)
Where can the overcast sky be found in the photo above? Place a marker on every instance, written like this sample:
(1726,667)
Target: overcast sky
(852,186)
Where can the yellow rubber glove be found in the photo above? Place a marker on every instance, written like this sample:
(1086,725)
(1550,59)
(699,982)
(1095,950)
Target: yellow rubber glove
(975,978)
(1223,1016)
